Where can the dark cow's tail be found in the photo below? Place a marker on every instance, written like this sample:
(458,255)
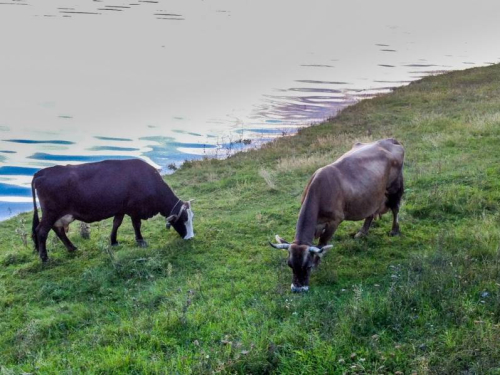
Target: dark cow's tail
(36,219)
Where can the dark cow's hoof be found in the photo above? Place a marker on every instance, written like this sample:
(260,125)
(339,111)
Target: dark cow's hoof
(72,249)
(395,233)
(115,244)
(142,243)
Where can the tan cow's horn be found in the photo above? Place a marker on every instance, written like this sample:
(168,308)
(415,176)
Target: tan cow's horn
(282,246)
(314,249)
(317,250)
(280,240)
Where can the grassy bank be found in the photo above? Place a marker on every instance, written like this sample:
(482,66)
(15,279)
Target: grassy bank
(425,302)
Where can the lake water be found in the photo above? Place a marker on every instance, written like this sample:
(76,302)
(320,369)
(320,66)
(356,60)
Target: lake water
(169,80)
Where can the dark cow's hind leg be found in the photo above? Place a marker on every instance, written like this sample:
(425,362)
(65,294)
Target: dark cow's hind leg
(117,221)
(61,233)
(366,227)
(136,223)
(42,232)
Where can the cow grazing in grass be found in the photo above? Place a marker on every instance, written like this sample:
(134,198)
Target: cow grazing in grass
(365,182)
(97,191)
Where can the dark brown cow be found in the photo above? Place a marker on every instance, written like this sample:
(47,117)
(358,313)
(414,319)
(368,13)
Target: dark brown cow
(97,191)
(365,182)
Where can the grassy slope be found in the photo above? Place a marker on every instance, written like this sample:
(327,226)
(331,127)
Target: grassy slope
(428,301)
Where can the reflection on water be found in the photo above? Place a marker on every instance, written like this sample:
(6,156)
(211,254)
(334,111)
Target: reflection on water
(169,81)
(37,142)
(114,139)
(76,158)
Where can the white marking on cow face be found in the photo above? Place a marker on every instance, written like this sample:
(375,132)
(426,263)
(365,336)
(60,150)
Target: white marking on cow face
(299,289)
(189,225)
(64,221)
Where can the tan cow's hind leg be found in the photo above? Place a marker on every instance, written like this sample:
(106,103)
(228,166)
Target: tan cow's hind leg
(395,222)
(366,227)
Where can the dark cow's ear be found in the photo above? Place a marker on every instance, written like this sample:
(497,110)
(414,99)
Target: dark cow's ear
(171,219)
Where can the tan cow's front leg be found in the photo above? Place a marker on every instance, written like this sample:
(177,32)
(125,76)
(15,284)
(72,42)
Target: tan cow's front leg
(366,227)
(328,232)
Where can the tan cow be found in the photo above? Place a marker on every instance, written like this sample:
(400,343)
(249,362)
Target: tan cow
(364,182)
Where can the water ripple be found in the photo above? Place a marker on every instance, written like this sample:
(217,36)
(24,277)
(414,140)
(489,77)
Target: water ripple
(76,158)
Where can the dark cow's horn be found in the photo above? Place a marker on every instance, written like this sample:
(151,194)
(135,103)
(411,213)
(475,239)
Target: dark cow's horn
(183,208)
(282,246)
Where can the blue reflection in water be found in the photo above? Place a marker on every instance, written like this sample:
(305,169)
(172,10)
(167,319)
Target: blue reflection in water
(14,190)
(112,148)
(32,141)
(9,209)
(192,145)
(114,139)
(93,158)
(17,171)
(186,132)
(260,131)
(165,152)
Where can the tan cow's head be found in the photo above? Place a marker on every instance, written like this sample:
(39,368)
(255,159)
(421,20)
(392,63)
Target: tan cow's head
(301,259)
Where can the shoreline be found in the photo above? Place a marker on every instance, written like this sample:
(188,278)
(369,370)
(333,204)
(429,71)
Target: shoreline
(231,150)
(238,146)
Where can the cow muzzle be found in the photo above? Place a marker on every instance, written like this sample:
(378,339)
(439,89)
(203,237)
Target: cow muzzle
(299,289)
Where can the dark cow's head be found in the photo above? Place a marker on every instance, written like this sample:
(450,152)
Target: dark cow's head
(182,221)
(301,259)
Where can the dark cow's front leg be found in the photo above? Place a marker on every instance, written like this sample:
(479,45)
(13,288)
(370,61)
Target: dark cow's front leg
(366,227)
(61,233)
(117,221)
(136,223)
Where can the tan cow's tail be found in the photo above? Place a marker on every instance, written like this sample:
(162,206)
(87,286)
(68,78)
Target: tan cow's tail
(394,141)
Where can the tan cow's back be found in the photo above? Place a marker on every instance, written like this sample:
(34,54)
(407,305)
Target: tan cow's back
(359,179)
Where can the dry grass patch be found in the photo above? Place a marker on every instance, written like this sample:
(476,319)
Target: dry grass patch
(301,163)
(269,178)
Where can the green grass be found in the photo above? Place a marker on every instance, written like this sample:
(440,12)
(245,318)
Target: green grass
(425,302)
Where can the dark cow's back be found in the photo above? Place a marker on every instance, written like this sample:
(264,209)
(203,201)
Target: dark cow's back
(95,191)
